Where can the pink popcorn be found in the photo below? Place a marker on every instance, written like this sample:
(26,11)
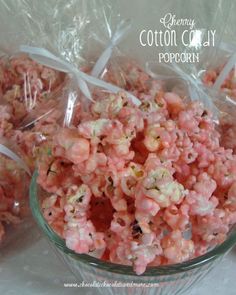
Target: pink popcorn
(211,229)
(201,199)
(56,174)
(175,218)
(75,149)
(127,183)
(176,249)
(156,138)
(231,197)
(138,254)
(97,128)
(13,195)
(28,91)
(159,176)
(200,205)
(174,103)
(145,252)
(121,223)
(25,85)
(205,185)
(187,122)
(159,186)
(80,234)
(228,86)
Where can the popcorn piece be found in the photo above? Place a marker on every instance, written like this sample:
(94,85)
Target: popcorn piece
(176,249)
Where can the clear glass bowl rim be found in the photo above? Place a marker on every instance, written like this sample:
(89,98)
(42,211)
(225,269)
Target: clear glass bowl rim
(210,256)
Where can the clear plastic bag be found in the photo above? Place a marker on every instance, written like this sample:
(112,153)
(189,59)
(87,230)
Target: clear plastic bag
(14,185)
(219,72)
(27,88)
(80,34)
(221,76)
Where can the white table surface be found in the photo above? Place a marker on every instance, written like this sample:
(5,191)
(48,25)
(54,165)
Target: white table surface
(32,268)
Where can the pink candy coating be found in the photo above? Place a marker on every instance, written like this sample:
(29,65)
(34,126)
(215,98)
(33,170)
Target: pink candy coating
(164,186)
(140,186)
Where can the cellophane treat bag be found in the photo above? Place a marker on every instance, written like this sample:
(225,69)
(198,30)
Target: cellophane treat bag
(14,185)
(127,135)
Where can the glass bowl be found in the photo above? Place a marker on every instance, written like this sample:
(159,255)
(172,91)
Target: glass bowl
(120,279)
